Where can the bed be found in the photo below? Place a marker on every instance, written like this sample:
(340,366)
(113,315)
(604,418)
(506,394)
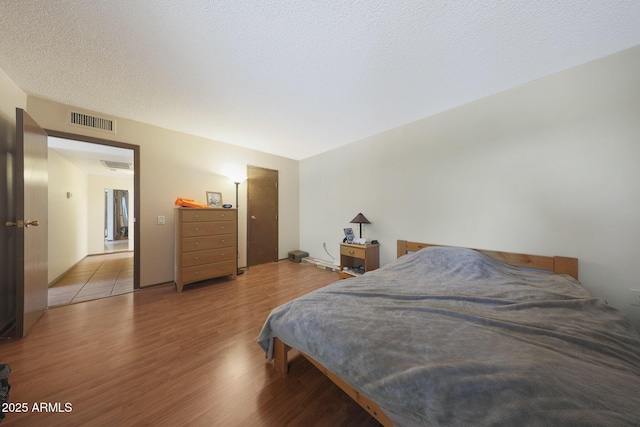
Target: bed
(456,336)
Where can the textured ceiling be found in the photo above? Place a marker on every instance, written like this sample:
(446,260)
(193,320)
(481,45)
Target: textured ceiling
(296,77)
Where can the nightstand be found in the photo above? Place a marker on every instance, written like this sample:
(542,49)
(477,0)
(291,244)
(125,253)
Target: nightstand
(358,258)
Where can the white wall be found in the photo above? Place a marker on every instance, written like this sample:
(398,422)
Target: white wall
(12,97)
(175,164)
(68,239)
(551,168)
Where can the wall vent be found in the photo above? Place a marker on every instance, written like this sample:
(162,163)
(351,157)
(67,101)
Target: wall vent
(94,122)
(116,165)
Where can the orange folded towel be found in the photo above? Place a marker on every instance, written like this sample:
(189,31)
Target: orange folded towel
(189,203)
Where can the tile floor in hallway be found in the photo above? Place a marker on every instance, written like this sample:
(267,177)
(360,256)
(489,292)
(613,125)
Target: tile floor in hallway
(96,276)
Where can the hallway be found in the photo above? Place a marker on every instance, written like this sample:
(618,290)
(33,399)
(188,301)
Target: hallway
(94,277)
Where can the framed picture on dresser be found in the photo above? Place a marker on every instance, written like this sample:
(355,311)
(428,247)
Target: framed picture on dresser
(214,200)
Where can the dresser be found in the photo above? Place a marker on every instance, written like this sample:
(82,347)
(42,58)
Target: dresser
(205,244)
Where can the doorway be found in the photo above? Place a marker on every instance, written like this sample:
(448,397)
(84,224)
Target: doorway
(126,228)
(262,215)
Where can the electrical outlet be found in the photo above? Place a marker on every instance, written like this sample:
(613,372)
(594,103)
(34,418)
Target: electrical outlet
(634,297)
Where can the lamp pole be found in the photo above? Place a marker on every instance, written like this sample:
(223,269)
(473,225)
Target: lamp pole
(238,271)
(237,184)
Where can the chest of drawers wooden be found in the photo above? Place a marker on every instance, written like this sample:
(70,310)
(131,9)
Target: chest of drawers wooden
(205,245)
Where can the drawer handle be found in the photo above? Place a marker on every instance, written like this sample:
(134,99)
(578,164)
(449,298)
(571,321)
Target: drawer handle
(197,273)
(197,229)
(352,253)
(197,258)
(197,243)
(222,241)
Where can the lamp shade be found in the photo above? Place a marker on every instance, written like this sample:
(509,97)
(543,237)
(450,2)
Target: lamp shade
(235,173)
(360,219)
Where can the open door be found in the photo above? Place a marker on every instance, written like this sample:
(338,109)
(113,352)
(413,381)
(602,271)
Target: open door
(30,224)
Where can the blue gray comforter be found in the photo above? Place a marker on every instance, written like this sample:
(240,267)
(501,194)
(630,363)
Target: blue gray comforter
(448,336)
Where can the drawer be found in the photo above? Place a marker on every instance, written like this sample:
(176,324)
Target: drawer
(352,252)
(208,271)
(208,215)
(190,259)
(190,244)
(190,229)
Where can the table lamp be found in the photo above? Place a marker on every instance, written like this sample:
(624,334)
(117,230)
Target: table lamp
(360,219)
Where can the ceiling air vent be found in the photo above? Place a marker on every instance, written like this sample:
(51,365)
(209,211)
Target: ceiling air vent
(116,165)
(94,122)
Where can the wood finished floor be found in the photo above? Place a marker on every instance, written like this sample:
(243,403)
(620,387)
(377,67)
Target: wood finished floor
(160,358)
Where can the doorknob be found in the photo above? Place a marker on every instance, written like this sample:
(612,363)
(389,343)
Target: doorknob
(253,217)
(21,223)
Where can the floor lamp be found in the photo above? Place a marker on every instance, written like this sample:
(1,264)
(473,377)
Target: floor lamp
(238,271)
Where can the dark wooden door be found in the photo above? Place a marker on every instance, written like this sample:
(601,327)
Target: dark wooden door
(30,225)
(262,215)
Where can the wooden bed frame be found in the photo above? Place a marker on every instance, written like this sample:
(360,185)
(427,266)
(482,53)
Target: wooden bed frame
(555,264)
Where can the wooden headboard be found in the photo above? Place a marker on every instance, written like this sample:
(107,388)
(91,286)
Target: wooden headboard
(555,264)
